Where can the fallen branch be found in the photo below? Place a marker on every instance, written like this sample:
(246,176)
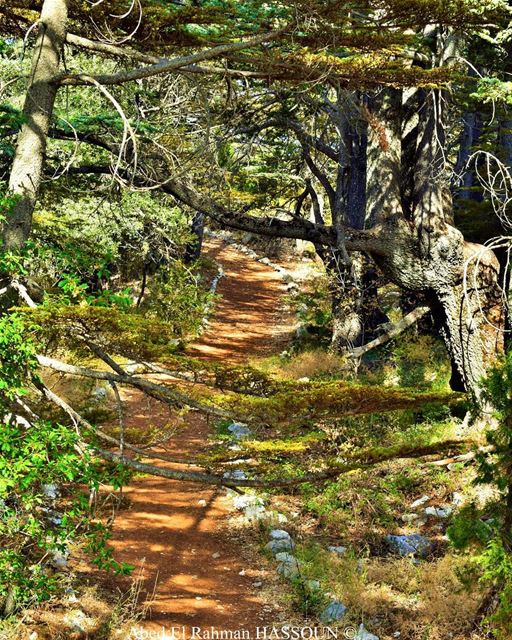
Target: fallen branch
(78,419)
(395,330)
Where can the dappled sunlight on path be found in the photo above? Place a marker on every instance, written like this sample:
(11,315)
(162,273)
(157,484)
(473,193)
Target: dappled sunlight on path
(177,533)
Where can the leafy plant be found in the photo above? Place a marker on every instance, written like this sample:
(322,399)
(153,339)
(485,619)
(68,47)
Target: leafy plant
(47,471)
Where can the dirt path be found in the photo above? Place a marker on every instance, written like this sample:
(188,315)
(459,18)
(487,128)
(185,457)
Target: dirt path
(178,531)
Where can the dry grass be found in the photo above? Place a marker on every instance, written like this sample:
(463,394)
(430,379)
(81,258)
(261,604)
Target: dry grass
(92,615)
(313,364)
(426,601)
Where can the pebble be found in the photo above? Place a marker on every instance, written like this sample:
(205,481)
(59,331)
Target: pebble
(338,550)
(279,534)
(255,512)
(245,501)
(216,555)
(50,491)
(235,475)
(239,430)
(439,512)
(201,503)
(409,517)
(457,499)
(288,570)
(60,560)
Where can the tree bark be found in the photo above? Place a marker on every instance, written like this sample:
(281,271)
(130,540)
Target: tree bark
(27,166)
(194,247)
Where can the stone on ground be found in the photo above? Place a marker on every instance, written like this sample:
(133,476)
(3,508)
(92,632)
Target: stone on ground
(333,612)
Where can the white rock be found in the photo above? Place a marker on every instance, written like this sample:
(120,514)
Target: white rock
(457,499)
(333,612)
(288,570)
(99,394)
(235,475)
(255,512)
(50,491)
(284,556)
(420,502)
(216,555)
(277,546)
(438,512)
(363,634)
(202,503)
(338,550)
(60,559)
(280,534)
(239,430)
(409,517)
(245,501)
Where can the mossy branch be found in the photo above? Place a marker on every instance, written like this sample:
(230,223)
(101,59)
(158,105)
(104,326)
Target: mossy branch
(363,460)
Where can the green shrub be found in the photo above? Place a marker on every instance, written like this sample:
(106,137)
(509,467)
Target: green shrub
(34,454)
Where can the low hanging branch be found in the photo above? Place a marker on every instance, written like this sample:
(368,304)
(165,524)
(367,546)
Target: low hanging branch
(166,66)
(363,461)
(157,391)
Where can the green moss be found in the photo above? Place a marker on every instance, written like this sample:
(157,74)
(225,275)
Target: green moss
(310,402)
(119,331)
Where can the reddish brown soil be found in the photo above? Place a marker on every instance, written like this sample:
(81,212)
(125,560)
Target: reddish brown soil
(201,572)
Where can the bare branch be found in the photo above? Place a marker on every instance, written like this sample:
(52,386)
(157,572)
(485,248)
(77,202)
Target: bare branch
(395,330)
(132,54)
(158,391)
(166,66)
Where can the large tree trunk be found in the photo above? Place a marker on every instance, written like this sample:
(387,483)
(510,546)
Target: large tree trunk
(461,283)
(27,166)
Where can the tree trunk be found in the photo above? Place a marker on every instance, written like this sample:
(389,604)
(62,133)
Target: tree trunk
(194,247)
(464,174)
(461,284)
(27,166)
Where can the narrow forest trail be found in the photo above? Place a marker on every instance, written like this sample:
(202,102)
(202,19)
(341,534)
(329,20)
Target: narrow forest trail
(179,532)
